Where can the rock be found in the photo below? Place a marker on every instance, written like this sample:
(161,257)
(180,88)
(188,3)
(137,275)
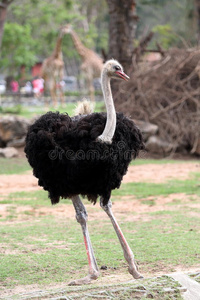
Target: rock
(17,143)
(148,129)
(2,144)
(196,149)
(155,145)
(12,128)
(8,152)
(103,268)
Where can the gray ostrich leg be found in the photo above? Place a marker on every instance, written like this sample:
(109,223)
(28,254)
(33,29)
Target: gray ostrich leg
(81,217)
(128,254)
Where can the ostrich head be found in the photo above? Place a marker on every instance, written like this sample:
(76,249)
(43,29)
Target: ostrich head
(114,69)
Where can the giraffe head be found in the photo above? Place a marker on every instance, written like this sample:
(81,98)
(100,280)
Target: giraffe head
(66,28)
(114,70)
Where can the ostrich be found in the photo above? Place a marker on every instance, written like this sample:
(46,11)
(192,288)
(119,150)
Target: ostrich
(86,155)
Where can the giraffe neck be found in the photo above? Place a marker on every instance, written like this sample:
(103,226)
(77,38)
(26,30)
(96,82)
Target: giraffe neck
(81,49)
(57,53)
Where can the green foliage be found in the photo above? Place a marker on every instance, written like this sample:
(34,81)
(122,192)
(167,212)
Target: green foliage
(177,14)
(17,46)
(46,17)
(32,27)
(165,35)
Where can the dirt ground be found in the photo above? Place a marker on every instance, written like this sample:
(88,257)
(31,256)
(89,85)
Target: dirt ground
(142,173)
(160,173)
(155,173)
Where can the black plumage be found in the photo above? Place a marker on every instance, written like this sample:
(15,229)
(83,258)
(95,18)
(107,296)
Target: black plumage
(68,159)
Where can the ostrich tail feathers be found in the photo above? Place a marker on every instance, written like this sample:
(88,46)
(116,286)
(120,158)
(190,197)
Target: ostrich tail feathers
(84,107)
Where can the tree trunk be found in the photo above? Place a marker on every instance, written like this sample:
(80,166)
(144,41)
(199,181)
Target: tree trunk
(122,29)
(197,14)
(3,12)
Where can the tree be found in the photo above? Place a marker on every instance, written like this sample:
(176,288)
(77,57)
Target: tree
(122,30)
(31,31)
(44,18)
(17,47)
(3,13)
(89,19)
(197,17)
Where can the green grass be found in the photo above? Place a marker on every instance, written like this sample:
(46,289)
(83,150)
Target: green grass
(145,189)
(16,109)
(20,165)
(196,276)
(136,189)
(13,166)
(161,161)
(49,249)
(172,239)
(36,198)
(33,111)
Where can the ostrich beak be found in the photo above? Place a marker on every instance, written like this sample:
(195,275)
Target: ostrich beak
(122,75)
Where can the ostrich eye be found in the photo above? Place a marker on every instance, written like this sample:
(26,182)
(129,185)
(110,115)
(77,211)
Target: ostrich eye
(117,68)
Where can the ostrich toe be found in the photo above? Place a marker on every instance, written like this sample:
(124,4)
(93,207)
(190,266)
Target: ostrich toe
(85,280)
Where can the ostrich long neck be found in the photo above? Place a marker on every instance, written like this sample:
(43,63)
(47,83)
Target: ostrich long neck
(109,129)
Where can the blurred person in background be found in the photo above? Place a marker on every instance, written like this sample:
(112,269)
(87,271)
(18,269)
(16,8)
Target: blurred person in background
(38,87)
(14,86)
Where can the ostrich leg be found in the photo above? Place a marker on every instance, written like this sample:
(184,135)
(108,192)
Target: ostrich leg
(128,254)
(81,217)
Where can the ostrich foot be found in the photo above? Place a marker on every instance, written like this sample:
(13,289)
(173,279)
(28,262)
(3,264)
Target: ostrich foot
(133,270)
(85,280)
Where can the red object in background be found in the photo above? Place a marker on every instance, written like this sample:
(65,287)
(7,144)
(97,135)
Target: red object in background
(36,69)
(38,86)
(14,86)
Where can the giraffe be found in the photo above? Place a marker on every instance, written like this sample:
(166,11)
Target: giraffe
(92,63)
(52,70)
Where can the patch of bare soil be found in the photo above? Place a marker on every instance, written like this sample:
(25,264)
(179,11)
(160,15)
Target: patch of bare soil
(160,173)
(127,209)
(159,203)
(124,209)
(17,183)
(143,173)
